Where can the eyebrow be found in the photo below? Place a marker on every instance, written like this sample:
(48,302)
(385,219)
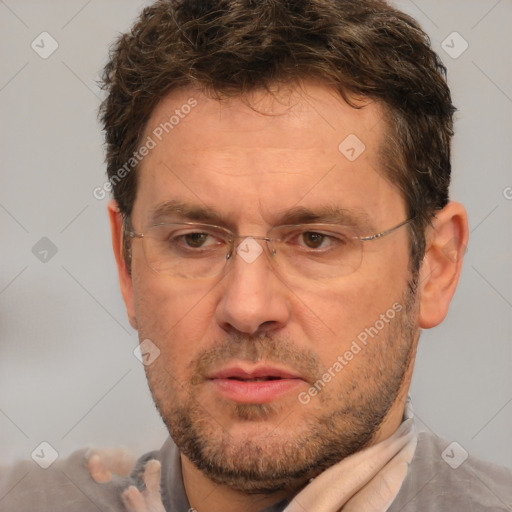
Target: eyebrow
(326,214)
(186,211)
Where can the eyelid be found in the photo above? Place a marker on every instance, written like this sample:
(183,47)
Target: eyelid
(182,229)
(286,229)
(317,228)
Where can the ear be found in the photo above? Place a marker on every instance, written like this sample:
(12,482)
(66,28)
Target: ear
(442,264)
(125,279)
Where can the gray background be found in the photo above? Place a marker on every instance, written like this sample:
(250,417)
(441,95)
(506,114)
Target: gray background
(68,375)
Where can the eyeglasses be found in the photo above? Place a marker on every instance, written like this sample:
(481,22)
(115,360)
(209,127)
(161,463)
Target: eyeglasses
(197,251)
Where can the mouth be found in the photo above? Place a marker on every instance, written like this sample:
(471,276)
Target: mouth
(254,374)
(258,385)
(257,379)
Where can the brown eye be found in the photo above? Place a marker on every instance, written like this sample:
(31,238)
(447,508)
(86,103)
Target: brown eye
(313,240)
(195,240)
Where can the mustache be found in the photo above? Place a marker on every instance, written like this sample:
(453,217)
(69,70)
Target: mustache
(253,349)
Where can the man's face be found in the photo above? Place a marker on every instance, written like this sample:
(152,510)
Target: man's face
(262,379)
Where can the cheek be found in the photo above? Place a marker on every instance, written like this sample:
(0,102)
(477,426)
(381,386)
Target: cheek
(173,317)
(334,315)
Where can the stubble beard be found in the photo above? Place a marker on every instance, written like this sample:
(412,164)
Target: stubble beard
(280,459)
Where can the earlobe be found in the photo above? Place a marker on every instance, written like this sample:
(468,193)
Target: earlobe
(441,267)
(125,279)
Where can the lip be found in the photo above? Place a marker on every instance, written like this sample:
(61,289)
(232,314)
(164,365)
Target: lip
(260,372)
(236,383)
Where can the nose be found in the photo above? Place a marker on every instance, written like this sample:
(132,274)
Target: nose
(254,300)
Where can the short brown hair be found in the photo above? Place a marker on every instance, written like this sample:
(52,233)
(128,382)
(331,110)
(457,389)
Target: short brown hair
(230,47)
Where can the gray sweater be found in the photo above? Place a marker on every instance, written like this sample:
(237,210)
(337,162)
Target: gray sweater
(431,484)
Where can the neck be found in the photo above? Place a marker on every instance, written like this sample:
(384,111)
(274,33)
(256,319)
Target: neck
(207,496)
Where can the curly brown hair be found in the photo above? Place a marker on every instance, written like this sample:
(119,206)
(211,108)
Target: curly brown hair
(227,48)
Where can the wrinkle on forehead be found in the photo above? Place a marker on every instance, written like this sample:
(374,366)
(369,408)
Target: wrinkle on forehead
(251,164)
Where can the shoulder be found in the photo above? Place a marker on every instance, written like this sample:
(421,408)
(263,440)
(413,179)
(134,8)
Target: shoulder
(443,476)
(64,486)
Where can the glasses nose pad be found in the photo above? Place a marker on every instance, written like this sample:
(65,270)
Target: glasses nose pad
(271,246)
(232,244)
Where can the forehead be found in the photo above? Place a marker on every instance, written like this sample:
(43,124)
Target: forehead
(265,152)
(295,111)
